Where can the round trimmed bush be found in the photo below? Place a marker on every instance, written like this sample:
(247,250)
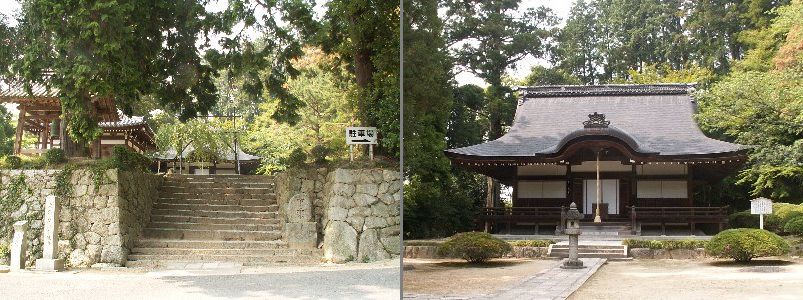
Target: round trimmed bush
(744,244)
(13,162)
(794,226)
(55,156)
(743,219)
(319,153)
(474,247)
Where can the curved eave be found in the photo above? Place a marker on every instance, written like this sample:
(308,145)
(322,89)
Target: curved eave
(739,155)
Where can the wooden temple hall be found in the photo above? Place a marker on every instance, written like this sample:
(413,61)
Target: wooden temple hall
(630,155)
(40,114)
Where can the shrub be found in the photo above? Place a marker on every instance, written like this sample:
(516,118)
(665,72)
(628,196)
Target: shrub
(474,247)
(55,156)
(296,158)
(744,244)
(5,252)
(532,243)
(319,153)
(743,219)
(794,226)
(12,162)
(666,245)
(125,159)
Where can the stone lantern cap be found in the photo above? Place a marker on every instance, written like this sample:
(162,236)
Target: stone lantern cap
(573,213)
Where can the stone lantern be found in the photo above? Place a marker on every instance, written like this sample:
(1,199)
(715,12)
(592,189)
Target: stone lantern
(573,231)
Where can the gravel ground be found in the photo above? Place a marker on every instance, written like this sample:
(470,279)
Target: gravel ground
(351,281)
(451,277)
(692,279)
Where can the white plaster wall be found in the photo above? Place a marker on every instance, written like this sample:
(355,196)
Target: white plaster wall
(661,189)
(662,170)
(604,166)
(542,189)
(542,170)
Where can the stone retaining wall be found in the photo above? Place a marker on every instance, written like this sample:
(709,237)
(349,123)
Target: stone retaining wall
(647,253)
(98,224)
(355,211)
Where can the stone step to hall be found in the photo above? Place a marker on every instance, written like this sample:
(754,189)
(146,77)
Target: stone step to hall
(214,207)
(215,251)
(209,220)
(213,213)
(218,179)
(212,197)
(589,251)
(241,202)
(210,244)
(217,190)
(220,235)
(203,226)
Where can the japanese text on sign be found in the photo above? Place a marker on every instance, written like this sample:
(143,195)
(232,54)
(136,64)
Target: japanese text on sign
(361,135)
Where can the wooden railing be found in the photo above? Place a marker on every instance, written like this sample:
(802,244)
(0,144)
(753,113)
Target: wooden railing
(689,214)
(509,215)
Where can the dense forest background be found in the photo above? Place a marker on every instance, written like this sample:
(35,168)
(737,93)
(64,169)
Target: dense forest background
(297,72)
(745,55)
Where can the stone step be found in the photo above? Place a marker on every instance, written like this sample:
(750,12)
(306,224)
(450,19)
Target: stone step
(216,191)
(204,226)
(566,246)
(210,244)
(589,251)
(208,220)
(218,179)
(213,184)
(219,201)
(213,213)
(210,196)
(220,235)
(592,255)
(613,251)
(208,252)
(215,207)
(148,260)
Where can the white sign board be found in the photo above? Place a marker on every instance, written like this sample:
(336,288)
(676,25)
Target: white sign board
(361,136)
(761,206)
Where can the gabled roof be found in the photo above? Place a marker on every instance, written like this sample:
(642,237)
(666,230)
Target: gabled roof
(650,119)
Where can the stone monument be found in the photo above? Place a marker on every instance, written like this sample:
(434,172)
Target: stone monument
(19,245)
(573,230)
(50,238)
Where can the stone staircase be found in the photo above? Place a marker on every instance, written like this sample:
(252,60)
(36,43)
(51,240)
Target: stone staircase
(609,251)
(216,218)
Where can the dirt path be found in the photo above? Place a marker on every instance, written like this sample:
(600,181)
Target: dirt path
(457,278)
(688,279)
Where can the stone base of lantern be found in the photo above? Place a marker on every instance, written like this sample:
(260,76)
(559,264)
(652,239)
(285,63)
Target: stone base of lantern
(51,265)
(572,264)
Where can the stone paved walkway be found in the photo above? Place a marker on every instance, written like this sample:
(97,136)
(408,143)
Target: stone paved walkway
(552,283)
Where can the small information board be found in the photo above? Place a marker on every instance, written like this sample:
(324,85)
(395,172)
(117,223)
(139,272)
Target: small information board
(361,136)
(761,206)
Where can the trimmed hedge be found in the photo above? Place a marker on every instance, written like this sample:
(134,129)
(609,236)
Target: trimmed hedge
(55,156)
(794,226)
(12,162)
(743,219)
(744,244)
(474,247)
(666,245)
(532,243)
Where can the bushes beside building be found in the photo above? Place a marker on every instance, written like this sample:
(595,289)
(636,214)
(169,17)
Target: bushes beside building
(665,245)
(782,214)
(744,244)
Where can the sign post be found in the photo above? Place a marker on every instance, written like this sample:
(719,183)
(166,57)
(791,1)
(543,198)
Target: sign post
(761,206)
(361,136)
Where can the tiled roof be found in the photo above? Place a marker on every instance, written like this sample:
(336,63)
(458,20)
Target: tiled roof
(17,90)
(659,119)
(124,121)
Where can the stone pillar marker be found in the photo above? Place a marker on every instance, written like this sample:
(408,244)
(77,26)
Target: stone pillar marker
(573,230)
(19,245)
(50,238)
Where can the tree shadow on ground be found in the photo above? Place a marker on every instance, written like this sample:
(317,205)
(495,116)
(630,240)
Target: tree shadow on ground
(752,263)
(339,284)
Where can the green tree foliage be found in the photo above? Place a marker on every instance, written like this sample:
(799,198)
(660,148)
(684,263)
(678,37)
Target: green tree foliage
(108,49)
(6,132)
(540,75)
(365,36)
(323,115)
(489,37)
(576,51)
(663,73)
(764,109)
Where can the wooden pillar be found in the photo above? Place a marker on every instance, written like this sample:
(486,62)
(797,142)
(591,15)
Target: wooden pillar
(46,134)
(20,128)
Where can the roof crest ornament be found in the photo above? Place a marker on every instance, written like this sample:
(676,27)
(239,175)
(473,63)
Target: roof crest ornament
(596,120)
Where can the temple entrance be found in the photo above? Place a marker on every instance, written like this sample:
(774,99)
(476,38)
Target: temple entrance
(610,196)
